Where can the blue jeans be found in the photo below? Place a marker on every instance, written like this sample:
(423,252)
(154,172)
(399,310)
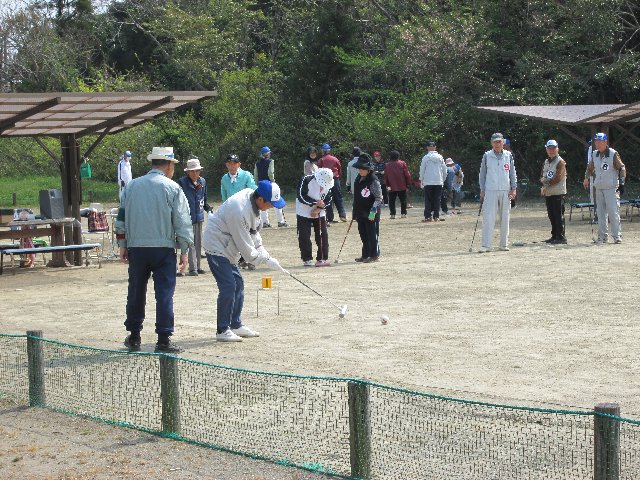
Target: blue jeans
(230,291)
(144,261)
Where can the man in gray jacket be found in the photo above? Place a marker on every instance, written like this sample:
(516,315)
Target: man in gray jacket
(497,188)
(433,173)
(152,219)
(234,230)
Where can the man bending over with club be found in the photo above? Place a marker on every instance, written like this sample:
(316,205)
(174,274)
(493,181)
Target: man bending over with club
(234,230)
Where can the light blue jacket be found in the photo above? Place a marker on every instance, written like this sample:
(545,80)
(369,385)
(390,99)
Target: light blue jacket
(244,180)
(154,213)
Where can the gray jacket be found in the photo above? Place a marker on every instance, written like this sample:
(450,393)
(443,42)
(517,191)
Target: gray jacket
(497,171)
(154,213)
(234,230)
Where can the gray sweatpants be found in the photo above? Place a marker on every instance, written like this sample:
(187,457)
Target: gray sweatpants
(196,250)
(608,209)
(496,204)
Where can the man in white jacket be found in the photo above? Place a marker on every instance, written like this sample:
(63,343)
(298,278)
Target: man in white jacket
(433,173)
(234,230)
(497,188)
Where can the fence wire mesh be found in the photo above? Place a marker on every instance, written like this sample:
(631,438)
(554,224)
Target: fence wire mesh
(344,427)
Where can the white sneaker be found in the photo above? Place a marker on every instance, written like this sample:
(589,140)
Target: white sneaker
(484,249)
(228,336)
(244,332)
(323,263)
(618,240)
(308,263)
(503,249)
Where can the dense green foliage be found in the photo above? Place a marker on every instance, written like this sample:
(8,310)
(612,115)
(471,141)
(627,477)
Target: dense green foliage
(380,74)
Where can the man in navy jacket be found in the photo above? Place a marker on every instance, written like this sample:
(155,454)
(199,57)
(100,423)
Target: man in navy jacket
(195,189)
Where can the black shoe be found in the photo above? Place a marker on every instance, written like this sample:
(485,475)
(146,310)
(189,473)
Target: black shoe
(193,273)
(549,240)
(168,347)
(132,343)
(370,260)
(200,271)
(558,241)
(361,259)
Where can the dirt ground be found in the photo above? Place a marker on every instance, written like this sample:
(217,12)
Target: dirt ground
(540,325)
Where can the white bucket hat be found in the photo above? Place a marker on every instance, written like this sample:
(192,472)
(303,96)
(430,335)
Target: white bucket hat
(324,177)
(162,153)
(193,164)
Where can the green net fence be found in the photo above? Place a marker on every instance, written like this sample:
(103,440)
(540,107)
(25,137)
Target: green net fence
(348,428)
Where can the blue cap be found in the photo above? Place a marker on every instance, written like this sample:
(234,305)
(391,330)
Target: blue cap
(551,143)
(600,136)
(270,191)
(507,141)
(265,150)
(457,166)
(127,153)
(326,146)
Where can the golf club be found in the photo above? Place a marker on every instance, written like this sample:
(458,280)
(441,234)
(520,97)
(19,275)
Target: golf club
(343,241)
(475,229)
(343,308)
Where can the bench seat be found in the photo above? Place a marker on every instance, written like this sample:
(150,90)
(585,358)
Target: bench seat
(59,248)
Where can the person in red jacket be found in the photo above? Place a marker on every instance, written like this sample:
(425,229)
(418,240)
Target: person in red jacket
(397,180)
(332,163)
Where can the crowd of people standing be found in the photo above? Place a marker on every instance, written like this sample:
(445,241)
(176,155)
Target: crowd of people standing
(158,216)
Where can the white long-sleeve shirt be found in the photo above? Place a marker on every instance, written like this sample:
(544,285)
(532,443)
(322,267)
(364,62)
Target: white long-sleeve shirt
(124,174)
(433,170)
(234,230)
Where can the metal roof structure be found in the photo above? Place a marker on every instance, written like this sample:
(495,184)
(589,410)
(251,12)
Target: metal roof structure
(80,114)
(70,116)
(594,117)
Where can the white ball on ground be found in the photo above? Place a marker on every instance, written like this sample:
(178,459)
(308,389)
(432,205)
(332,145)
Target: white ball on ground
(384,319)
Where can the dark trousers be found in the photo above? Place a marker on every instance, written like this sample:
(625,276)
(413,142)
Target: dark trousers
(143,262)
(444,199)
(230,292)
(369,232)
(304,237)
(385,192)
(337,199)
(555,211)
(403,202)
(432,194)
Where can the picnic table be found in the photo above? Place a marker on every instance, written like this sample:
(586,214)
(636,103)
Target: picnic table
(53,227)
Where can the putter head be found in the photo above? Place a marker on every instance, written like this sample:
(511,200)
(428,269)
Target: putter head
(343,311)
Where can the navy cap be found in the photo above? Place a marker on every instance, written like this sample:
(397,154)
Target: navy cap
(600,136)
(551,143)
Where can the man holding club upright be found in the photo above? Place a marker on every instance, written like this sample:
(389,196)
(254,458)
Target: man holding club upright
(234,230)
(609,173)
(497,188)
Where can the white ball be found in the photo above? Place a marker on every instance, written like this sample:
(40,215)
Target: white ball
(384,319)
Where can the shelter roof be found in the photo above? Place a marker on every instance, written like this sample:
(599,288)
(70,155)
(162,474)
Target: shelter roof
(573,114)
(55,114)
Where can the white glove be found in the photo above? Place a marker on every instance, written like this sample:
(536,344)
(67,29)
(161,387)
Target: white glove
(273,264)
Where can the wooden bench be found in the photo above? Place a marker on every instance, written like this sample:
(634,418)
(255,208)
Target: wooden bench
(61,248)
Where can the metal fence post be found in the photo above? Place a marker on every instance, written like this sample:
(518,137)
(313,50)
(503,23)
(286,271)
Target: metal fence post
(14,198)
(170,393)
(35,358)
(359,429)
(606,442)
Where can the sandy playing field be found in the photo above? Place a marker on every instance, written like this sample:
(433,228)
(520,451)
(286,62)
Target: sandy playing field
(540,325)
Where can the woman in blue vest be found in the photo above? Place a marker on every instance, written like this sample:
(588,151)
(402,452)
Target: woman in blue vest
(264,171)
